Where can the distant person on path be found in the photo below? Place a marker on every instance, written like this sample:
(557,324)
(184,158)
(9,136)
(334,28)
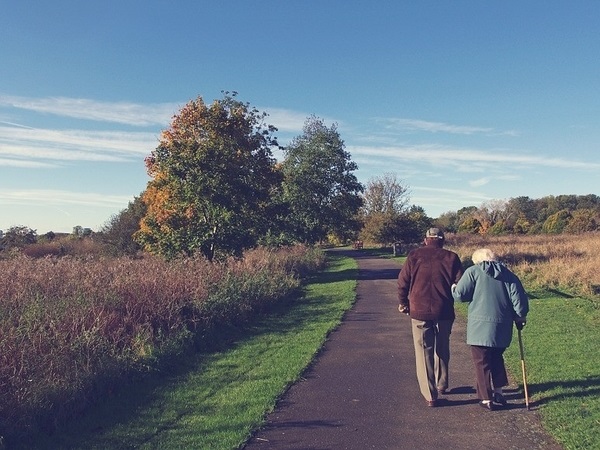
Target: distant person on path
(497,299)
(424,293)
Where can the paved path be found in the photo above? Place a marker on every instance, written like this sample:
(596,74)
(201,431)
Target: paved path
(361,392)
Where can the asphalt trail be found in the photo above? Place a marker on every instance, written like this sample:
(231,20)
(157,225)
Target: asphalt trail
(361,392)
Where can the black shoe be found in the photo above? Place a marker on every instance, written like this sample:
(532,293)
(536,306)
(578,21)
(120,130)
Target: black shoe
(499,398)
(487,405)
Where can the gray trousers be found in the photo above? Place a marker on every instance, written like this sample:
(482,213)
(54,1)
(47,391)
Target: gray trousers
(431,339)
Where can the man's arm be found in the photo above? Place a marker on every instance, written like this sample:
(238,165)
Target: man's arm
(404,287)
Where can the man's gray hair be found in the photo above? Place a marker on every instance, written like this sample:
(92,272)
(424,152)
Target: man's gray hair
(483,254)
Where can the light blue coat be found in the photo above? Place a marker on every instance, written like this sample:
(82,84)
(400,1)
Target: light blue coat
(497,298)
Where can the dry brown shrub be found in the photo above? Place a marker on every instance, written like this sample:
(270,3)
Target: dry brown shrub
(568,262)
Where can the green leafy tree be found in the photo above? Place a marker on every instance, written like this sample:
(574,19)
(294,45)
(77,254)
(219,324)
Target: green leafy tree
(410,225)
(375,228)
(522,225)
(470,225)
(448,221)
(212,176)
(322,193)
(556,223)
(583,221)
(590,201)
(498,228)
(119,230)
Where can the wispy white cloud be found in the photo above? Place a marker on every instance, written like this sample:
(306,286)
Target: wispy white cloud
(445,192)
(84,145)
(25,164)
(464,158)
(439,127)
(480,182)
(127,113)
(60,197)
(15,125)
(133,114)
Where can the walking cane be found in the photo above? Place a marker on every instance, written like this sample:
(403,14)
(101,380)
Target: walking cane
(523,369)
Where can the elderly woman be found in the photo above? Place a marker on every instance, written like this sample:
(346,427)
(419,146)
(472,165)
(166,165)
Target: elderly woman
(497,299)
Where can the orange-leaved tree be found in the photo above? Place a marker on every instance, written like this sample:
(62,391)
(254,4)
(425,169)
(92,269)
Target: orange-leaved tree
(212,177)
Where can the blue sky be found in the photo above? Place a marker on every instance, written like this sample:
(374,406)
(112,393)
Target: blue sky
(464,101)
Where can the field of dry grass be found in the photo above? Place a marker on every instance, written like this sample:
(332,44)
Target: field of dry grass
(71,327)
(568,263)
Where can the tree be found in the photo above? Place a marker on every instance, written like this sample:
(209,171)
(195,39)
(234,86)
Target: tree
(18,236)
(556,223)
(448,221)
(119,230)
(322,193)
(385,215)
(522,225)
(470,225)
(410,225)
(583,221)
(491,212)
(212,175)
(385,194)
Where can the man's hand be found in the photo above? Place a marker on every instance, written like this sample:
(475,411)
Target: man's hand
(520,323)
(403,309)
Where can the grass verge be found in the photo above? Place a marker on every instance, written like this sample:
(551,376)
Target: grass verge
(215,400)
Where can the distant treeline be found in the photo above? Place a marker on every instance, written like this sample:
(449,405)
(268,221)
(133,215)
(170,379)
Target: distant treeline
(524,215)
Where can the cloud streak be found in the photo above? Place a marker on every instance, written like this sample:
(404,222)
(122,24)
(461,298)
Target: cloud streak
(126,113)
(440,127)
(18,143)
(60,197)
(465,158)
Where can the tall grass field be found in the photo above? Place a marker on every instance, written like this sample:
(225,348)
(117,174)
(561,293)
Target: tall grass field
(76,330)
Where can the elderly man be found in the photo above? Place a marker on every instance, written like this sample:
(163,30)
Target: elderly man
(424,293)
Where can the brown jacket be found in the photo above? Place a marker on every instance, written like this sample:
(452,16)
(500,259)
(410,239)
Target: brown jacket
(425,280)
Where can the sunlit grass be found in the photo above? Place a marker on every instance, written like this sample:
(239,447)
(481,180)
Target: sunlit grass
(563,372)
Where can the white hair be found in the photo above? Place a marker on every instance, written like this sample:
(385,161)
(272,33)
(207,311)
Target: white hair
(483,254)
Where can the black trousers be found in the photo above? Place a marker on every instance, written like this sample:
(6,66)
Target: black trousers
(490,371)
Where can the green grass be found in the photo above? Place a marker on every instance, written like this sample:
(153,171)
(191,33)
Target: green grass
(560,344)
(215,400)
